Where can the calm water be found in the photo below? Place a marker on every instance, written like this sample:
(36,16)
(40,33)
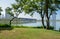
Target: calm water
(40,24)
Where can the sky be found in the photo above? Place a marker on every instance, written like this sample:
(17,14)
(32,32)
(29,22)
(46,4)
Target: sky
(7,3)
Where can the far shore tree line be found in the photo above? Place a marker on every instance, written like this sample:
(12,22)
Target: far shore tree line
(44,7)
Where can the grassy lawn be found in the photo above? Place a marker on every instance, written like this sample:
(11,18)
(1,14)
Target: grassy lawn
(29,33)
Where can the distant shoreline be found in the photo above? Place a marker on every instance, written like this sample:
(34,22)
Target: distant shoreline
(50,20)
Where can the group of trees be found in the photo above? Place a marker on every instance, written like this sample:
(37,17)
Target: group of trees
(44,7)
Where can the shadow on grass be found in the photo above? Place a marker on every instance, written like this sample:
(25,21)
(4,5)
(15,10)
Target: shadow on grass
(41,27)
(5,27)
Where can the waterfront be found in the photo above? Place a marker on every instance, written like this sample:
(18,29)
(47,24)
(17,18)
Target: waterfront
(38,23)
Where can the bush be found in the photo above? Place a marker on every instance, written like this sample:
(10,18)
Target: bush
(20,26)
(38,27)
(5,26)
(51,28)
(59,29)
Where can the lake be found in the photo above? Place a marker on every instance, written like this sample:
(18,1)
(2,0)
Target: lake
(38,23)
(34,24)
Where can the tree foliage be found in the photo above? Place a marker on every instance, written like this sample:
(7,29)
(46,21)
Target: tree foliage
(43,7)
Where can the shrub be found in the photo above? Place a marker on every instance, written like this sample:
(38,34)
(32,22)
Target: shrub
(51,27)
(59,29)
(5,27)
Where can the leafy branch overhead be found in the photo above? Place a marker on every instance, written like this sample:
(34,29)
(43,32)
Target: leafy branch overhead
(9,11)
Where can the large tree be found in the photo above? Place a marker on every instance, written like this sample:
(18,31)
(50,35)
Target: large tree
(31,6)
(50,5)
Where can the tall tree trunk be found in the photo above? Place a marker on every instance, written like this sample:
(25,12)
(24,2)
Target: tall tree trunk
(42,15)
(43,22)
(48,23)
(47,16)
(42,18)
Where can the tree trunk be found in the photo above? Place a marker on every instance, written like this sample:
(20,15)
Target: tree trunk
(11,20)
(43,22)
(48,23)
(46,11)
(42,15)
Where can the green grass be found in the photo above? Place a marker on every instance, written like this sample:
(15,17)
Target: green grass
(29,33)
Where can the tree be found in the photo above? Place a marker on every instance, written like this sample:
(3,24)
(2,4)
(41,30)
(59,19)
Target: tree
(31,6)
(41,11)
(14,11)
(0,10)
(48,5)
(9,11)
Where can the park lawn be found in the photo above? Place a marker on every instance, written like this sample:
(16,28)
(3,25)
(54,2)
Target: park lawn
(29,33)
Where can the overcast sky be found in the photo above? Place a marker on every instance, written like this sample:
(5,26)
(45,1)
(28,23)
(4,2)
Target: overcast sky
(7,3)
